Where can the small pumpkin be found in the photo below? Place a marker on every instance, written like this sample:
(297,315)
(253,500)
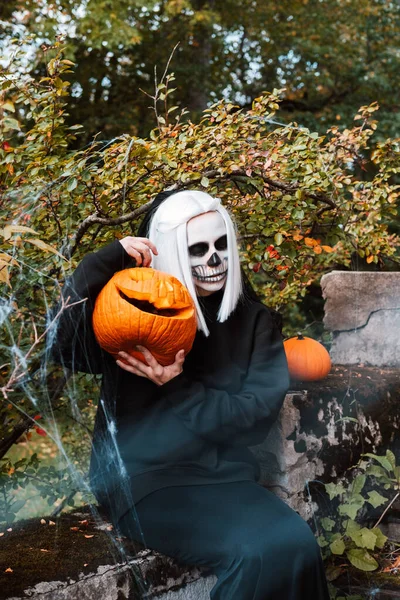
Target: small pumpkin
(147,307)
(308,360)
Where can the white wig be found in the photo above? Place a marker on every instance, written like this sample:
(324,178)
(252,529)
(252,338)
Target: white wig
(168,231)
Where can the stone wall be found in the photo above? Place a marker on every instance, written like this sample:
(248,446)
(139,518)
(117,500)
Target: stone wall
(325,426)
(362,310)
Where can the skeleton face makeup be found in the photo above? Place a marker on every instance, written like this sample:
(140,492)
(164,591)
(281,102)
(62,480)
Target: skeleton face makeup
(208,252)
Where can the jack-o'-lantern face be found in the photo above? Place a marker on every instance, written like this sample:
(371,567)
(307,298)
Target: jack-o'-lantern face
(147,307)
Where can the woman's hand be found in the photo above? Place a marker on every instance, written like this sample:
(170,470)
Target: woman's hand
(140,249)
(153,370)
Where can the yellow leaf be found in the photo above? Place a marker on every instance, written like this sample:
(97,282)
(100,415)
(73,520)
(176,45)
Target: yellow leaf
(327,248)
(297,237)
(4,274)
(370,259)
(43,246)
(10,229)
(8,105)
(317,249)
(4,257)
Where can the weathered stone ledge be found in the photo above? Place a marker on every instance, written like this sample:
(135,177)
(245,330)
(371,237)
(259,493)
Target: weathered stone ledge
(80,557)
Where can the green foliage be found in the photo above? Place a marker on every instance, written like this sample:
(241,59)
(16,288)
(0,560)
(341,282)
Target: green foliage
(330,56)
(343,535)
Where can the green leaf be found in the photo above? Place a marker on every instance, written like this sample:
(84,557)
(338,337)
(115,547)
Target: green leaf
(338,546)
(251,226)
(391,458)
(376,499)
(381,539)
(334,490)
(327,523)
(72,184)
(9,123)
(361,559)
(16,506)
(376,471)
(382,460)
(278,239)
(322,541)
(364,538)
(358,484)
(352,526)
(350,510)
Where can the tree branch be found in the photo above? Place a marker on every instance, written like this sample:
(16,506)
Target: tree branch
(95,218)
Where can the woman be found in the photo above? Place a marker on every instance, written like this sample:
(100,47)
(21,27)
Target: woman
(171,462)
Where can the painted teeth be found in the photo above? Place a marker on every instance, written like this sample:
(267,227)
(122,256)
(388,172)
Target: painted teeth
(217,277)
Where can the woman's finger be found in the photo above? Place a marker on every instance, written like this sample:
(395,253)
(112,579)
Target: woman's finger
(145,253)
(134,363)
(180,357)
(140,252)
(151,361)
(148,243)
(135,254)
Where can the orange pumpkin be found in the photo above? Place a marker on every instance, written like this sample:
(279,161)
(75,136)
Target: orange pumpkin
(308,360)
(147,307)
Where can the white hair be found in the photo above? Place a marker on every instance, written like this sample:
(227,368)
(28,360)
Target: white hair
(168,231)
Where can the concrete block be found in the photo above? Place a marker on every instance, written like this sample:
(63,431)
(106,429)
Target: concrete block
(362,309)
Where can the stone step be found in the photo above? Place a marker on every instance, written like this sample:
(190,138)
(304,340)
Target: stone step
(81,557)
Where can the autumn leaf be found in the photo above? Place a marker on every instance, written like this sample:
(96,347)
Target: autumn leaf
(310,242)
(394,566)
(40,431)
(8,230)
(43,246)
(327,248)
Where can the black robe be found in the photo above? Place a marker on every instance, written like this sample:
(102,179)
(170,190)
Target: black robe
(195,429)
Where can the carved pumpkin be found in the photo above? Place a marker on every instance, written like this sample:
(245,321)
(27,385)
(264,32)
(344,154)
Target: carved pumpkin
(147,307)
(308,360)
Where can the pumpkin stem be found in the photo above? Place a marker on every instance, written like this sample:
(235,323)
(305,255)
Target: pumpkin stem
(300,336)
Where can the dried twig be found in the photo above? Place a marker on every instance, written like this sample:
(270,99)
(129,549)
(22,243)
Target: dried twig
(386,509)
(19,370)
